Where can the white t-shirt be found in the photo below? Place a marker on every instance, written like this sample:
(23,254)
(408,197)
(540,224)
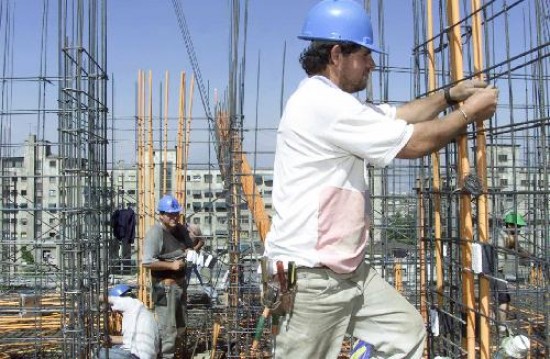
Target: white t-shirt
(320,194)
(140,333)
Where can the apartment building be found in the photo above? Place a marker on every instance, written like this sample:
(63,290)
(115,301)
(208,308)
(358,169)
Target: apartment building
(30,200)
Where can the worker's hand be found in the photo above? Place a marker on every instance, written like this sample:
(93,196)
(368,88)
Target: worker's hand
(465,89)
(481,105)
(178,265)
(106,341)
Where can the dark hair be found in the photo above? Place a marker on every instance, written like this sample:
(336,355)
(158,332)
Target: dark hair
(315,58)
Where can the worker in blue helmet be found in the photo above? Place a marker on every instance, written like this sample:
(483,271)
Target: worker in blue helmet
(325,139)
(140,336)
(165,248)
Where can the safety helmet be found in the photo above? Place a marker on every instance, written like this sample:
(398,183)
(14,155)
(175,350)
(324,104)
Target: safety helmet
(169,204)
(119,290)
(341,21)
(515,219)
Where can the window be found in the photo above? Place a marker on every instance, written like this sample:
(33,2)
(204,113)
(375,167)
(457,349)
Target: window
(24,221)
(52,192)
(52,180)
(208,178)
(221,207)
(132,191)
(197,194)
(503,182)
(208,206)
(502,158)
(53,164)
(23,234)
(208,194)
(196,220)
(219,179)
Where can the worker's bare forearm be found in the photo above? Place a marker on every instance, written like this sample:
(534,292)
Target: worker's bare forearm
(422,110)
(160,265)
(427,109)
(116,339)
(432,135)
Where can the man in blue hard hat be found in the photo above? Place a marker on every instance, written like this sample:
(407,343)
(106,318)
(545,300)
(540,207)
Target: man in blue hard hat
(325,139)
(140,336)
(164,252)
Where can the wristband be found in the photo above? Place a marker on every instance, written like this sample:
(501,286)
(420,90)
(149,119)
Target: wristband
(448,99)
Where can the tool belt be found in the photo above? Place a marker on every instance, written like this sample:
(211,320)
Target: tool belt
(279,290)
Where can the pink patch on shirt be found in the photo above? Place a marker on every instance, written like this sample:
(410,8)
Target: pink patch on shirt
(343,223)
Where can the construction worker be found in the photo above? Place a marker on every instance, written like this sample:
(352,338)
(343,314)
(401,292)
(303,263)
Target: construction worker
(325,139)
(140,336)
(508,248)
(164,253)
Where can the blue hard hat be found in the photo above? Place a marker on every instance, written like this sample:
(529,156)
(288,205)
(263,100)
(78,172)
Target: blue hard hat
(119,290)
(169,204)
(341,21)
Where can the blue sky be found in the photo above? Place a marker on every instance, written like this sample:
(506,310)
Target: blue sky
(143,34)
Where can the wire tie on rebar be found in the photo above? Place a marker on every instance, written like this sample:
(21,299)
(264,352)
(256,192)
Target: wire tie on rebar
(473,185)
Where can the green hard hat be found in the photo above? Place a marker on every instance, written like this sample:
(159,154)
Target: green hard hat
(514,218)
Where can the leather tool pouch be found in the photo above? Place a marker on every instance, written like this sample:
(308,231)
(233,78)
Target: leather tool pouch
(284,303)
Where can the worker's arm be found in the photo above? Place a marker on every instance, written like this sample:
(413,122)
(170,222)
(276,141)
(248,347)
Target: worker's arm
(432,135)
(427,108)
(199,243)
(165,265)
(196,236)
(116,339)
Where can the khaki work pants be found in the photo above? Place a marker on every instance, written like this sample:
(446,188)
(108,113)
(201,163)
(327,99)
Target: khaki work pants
(362,304)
